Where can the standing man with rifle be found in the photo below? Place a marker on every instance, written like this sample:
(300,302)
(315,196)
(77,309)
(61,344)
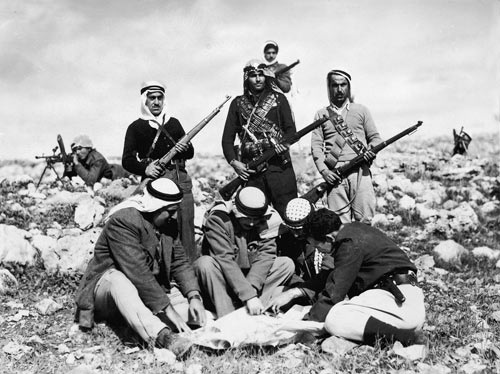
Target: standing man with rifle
(261,118)
(283,81)
(337,142)
(149,138)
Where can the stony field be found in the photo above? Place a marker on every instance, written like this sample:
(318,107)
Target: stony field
(444,211)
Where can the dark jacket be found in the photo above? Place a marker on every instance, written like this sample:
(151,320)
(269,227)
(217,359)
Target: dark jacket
(130,244)
(93,168)
(362,255)
(138,140)
(280,114)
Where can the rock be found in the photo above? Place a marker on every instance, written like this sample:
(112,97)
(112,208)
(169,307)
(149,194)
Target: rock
(194,369)
(16,349)
(89,213)
(407,203)
(450,205)
(73,253)
(54,232)
(82,369)
(449,251)
(495,316)
(66,198)
(380,220)
(497,265)
(380,183)
(119,189)
(424,262)
(47,306)
(434,369)
(492,254)
(62,349)
(489,208)
(8,283)
(473,368)
(337,346)
(424,212)
(412,353)
(164,356)
(14,248)
(433,197)
(464,218)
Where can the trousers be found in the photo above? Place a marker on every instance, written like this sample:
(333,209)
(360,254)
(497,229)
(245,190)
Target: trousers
(116,295)
(223,300)
(357,187)
(348,318)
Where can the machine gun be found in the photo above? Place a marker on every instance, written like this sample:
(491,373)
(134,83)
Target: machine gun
(259,163)
(319,190)
(62,156)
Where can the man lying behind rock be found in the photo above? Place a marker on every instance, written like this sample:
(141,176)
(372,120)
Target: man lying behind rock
(384,302)
(136,256)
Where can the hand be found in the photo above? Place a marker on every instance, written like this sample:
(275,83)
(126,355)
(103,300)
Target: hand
(181,147)
(331,177)
(369,156)
(284,298)
(153,170)
(197,312)
(254,306)
(281,148)
(75,159)
(327,263)
(176,319)
(241,169)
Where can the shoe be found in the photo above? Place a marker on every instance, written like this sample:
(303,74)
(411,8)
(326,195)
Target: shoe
(178,345)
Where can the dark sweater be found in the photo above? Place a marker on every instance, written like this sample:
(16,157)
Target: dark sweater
(362,255)
(139,138)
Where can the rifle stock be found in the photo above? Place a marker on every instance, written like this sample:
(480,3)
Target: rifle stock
(230,188)
(184,140)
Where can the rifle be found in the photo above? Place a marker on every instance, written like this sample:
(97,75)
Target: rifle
(229,189)
(162,162)
(286,68)
(53,159)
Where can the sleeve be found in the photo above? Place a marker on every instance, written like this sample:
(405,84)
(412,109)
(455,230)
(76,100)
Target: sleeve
(222,250)
(286,117)
(182,270)
(93,173)
(230,130)
(284,81)
(372,136)
(348,260)
(129,159)
(187,155)
(131,258)
(318,146)
(262,263)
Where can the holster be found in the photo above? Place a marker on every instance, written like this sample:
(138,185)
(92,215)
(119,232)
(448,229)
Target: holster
(390,282)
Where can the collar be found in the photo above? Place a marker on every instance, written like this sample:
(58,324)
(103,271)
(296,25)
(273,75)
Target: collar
(338,110)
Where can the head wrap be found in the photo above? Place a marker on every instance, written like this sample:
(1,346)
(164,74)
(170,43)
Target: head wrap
(256,65)
(341,73)
(82,141)
(297,211)
(158,194)
(271,44)
(250,202)
(148,88)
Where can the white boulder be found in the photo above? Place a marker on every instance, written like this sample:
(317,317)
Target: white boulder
(407,203)
(89,213)
(487,252)
(449,251)
(14,248)
(8,283)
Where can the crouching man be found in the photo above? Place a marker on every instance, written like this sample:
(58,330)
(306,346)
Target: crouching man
(136,255)
(240,266)
(384,298)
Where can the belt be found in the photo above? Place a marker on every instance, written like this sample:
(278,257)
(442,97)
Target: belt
(391,281)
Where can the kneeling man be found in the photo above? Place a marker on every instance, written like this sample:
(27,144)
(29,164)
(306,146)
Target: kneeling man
(240,266)
(384,298)
(136,255)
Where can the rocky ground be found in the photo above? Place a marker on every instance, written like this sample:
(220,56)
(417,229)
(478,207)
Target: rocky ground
(443,210)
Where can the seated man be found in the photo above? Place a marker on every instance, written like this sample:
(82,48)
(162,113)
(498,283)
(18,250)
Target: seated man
(384,299)
(239,266)
(89,164)
(136,255)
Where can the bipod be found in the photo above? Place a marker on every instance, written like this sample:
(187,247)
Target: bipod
(49,165)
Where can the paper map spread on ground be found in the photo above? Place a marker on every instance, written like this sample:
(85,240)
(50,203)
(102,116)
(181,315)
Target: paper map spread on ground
(239,329)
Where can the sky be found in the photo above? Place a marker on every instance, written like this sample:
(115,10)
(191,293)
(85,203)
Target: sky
(75,67)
